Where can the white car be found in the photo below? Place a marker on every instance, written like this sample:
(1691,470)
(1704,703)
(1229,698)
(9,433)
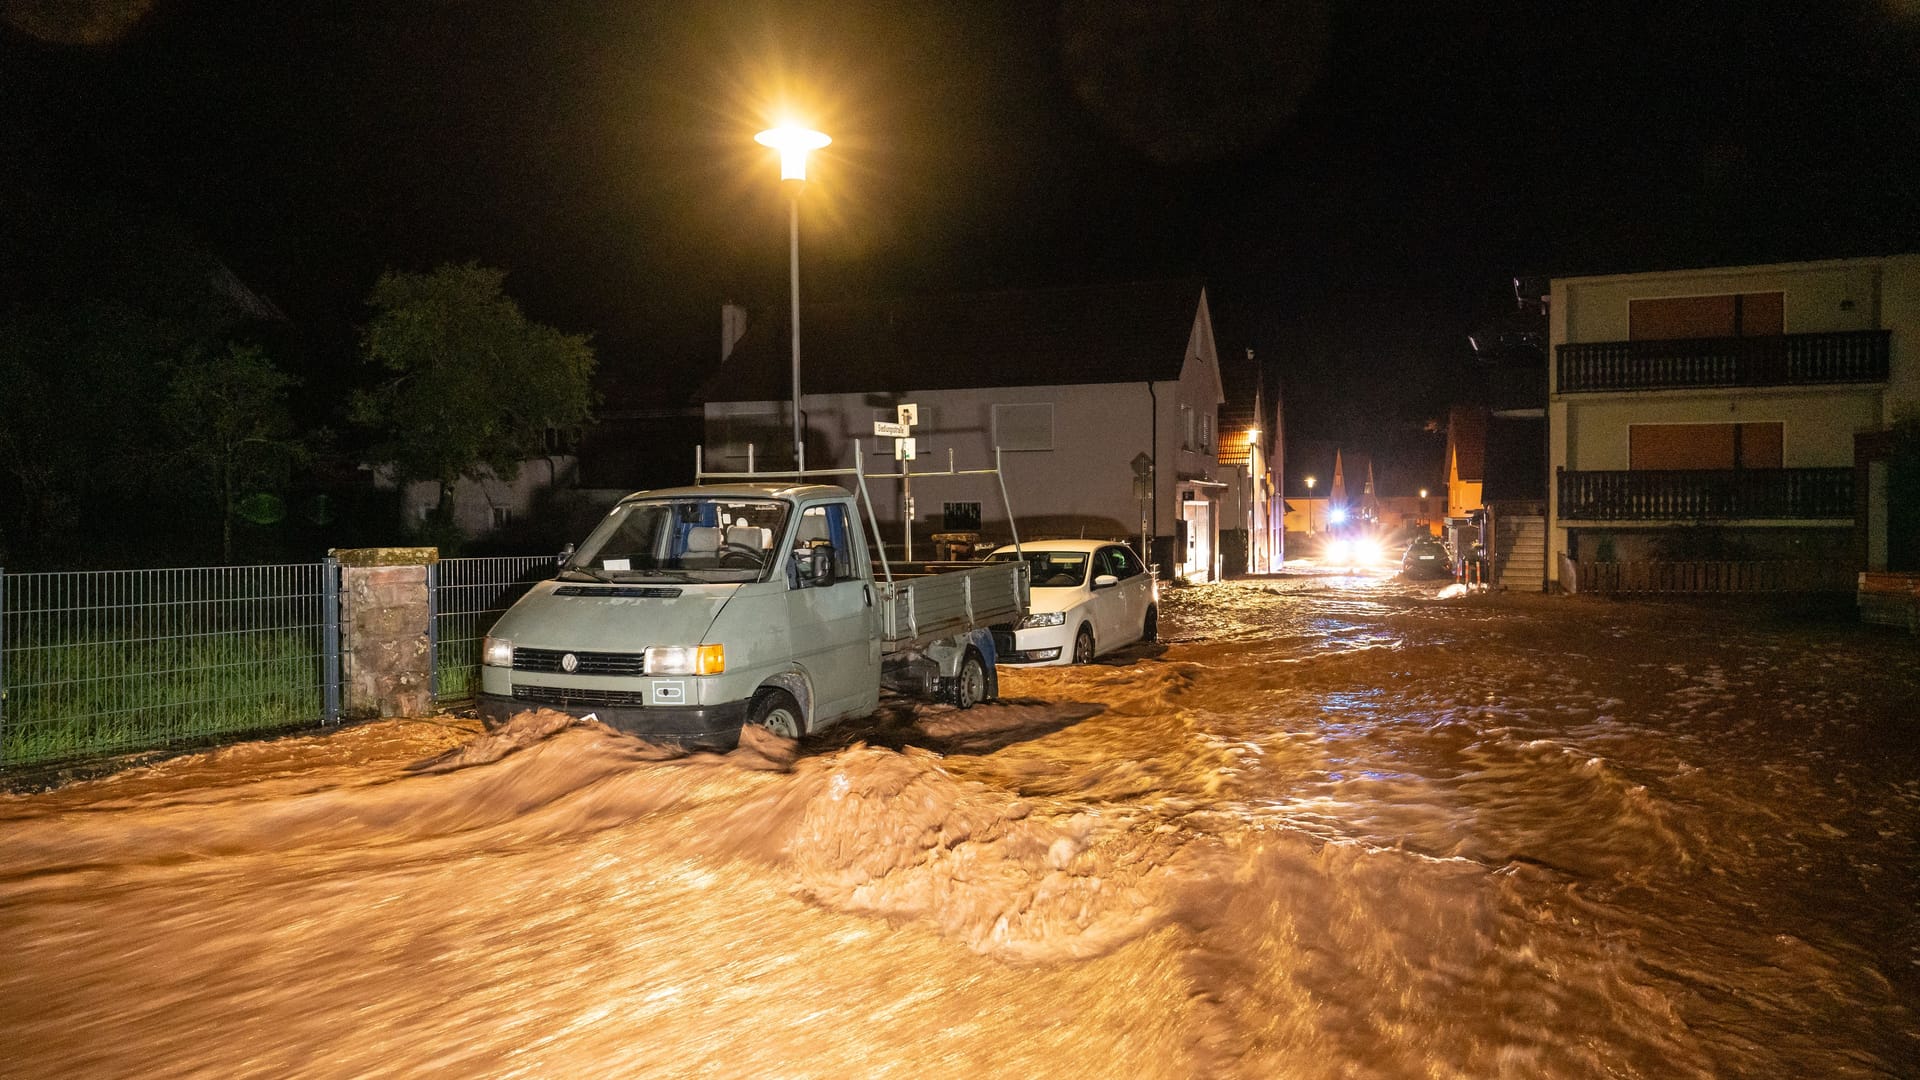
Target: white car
(1088,597)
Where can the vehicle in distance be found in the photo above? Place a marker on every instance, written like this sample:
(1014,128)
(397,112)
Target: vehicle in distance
(1088,597)
(1427,557)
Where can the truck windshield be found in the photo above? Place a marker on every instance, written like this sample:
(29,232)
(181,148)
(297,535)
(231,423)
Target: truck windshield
(683,539)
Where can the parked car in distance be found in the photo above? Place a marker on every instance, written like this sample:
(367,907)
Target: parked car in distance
(1088,597)
(1427,557)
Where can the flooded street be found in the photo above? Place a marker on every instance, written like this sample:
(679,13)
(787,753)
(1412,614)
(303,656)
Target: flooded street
(1330,827)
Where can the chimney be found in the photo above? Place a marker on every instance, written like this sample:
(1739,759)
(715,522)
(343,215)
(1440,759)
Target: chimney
(733,325)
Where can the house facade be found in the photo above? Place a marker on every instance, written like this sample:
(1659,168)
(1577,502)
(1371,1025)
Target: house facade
(1713,413)
(1102,404)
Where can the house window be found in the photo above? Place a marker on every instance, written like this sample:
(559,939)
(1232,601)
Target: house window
(1206,432)
(1186,427)
(1023,427)
(501,515)
(1705,446)
(1669,318)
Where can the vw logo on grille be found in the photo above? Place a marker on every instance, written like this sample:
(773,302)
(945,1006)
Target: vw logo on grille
(569,663)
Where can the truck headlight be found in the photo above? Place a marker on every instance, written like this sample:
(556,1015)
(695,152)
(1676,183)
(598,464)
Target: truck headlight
(496,651)
(1042,618)
(686,660)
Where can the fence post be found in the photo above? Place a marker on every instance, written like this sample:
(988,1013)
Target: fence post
(330,636)
(433,632)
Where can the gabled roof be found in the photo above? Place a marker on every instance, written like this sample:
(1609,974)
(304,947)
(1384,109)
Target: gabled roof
(1086,334)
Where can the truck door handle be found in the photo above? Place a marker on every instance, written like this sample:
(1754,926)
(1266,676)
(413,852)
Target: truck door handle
(867,591)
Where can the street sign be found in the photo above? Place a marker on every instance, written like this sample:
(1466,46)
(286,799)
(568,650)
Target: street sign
(903,450)
(909,415)
(886,430)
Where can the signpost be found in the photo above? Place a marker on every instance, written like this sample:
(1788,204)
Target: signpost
(900,430)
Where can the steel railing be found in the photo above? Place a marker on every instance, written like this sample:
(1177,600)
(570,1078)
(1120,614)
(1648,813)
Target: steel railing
(1705,494)
(1852,356)
(465,597)
(98,663)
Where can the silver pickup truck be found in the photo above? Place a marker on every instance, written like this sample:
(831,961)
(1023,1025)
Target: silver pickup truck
(689,612)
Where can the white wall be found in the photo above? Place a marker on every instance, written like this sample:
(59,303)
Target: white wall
(474,501)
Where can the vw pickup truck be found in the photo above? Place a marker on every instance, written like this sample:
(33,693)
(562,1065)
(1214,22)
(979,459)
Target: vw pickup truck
(689,612)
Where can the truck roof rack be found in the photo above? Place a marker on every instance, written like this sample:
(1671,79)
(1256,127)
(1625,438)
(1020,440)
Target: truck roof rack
(701,475)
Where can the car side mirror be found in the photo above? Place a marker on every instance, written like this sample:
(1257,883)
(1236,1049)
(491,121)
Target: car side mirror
(1105,581)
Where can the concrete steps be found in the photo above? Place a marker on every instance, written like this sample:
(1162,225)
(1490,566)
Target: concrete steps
(1523,554)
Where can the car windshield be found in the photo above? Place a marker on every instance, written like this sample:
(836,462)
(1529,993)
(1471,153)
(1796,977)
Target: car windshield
(682,539)
(1049,569)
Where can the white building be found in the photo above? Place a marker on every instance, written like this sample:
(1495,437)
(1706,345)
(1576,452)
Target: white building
(1102,400)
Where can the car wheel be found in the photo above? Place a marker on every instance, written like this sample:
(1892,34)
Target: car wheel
(776,711)
(1151,631)
(1083,646)
(970,685)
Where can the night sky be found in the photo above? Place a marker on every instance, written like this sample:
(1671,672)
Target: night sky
(1358,182)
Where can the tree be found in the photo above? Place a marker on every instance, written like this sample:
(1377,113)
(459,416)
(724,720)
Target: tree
(474,385)
(235,433)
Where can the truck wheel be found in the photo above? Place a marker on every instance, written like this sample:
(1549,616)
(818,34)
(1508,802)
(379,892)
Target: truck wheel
(1083,646)
(970,686)
(776,711)
(1151,630)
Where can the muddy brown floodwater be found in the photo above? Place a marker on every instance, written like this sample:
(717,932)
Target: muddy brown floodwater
(1333,827)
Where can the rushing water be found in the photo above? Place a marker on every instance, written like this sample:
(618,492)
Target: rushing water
(1332,827)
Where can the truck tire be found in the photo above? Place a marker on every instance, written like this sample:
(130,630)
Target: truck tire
(776,711)
(1151,630)
(1083,646)
(970,685)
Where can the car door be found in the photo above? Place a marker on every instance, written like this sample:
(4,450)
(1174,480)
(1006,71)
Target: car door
(1135,591)
(1109,604)
(833,624)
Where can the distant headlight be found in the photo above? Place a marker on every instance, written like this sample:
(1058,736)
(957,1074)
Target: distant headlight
(1042,618)
(686,660)
(1339,551)
(496,651)
(1367,551)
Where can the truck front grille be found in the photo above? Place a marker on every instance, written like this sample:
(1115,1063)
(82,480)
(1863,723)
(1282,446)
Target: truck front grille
(569,695)
(550,661)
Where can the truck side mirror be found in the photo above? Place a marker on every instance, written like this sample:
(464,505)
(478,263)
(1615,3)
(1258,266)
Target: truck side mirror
(815,563)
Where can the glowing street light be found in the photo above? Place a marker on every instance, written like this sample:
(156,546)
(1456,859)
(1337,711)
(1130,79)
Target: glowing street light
(794,143)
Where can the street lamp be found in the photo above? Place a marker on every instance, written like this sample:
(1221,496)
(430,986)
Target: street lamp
(794,142)
(1309,505)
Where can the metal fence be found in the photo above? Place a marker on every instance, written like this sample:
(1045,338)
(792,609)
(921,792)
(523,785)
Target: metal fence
(465,598)
(1703,576)
(107,662)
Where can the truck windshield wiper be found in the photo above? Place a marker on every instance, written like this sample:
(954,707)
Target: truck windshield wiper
(590,572)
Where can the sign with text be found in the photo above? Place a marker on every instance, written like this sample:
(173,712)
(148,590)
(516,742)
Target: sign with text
(903,449)
(885,430)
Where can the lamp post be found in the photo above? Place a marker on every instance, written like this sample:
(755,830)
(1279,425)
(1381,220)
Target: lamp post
(794,142)
(1310,529)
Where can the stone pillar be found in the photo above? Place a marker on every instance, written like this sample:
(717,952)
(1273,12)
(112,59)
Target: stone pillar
(386,661)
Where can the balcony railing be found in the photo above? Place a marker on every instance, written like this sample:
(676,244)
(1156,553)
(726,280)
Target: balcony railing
(1706,495)
(1782,360)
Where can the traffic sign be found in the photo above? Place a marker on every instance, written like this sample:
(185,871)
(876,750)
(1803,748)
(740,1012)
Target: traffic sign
(887,430)
(903,450)
(909,415)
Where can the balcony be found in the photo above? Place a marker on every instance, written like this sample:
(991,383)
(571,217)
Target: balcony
(1707,495)
(1853,356)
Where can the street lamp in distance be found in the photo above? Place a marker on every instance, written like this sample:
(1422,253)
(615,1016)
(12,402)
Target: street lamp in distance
(794,143)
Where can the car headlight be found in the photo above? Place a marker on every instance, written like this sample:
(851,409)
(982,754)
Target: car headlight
(1042,618)
(496,651)
(1367,551)
(686,660)
(1339,551)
